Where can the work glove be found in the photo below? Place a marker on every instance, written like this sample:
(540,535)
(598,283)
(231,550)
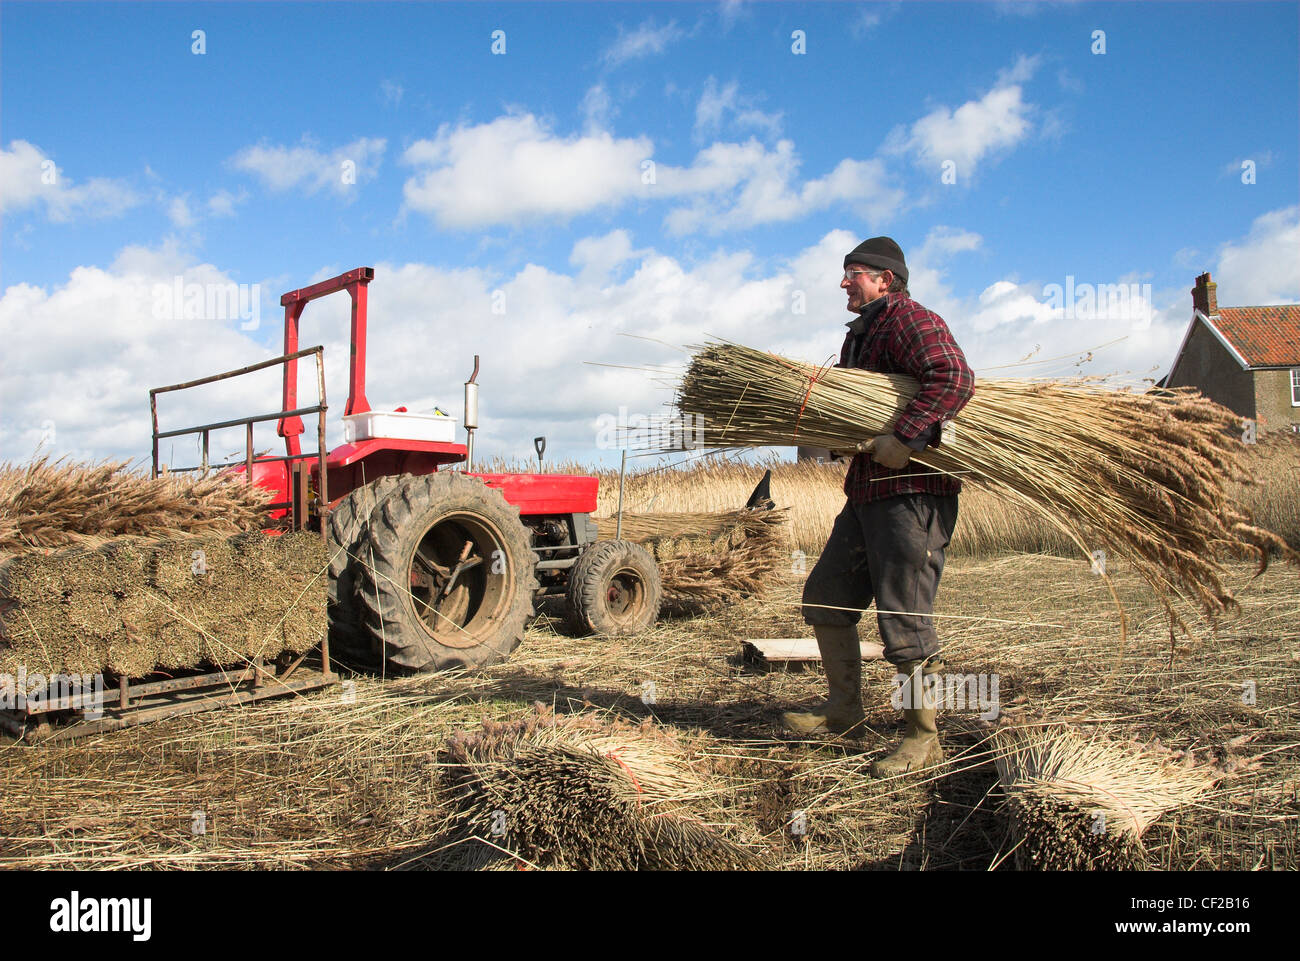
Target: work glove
(887,451)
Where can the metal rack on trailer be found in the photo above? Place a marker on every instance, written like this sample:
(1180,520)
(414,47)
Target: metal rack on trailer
(131,703)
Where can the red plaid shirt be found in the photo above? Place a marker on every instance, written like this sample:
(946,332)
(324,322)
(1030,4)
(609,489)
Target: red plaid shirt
(896,335)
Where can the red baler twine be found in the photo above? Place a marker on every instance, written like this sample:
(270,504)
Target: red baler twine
(635,783)
(812,382)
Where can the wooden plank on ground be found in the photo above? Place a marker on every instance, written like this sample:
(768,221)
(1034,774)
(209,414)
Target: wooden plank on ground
(787,652)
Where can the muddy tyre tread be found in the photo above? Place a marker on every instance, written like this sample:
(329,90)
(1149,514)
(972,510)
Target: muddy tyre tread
(347,528)
(589,581)
(387,612)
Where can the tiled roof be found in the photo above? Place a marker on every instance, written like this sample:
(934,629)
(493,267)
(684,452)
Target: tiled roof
(1264,336)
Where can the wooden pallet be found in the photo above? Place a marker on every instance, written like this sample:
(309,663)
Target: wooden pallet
(795,653)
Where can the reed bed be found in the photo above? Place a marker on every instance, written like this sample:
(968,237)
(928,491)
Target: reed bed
(987,525)
(1144,477)
(1083,801)
(60,503)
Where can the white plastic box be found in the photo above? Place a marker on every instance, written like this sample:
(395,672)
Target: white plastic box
(398,426)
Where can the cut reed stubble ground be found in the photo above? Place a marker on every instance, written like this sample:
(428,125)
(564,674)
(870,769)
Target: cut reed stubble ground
(349,778)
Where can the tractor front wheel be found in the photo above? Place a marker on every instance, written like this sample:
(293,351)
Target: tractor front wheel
(614,588)
(449,578)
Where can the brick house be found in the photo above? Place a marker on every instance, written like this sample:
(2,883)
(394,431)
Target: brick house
(1245,358)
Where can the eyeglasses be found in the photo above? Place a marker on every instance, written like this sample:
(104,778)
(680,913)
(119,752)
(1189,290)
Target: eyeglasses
(851,273)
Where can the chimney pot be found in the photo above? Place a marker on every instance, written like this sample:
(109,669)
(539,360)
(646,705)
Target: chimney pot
(1204,295)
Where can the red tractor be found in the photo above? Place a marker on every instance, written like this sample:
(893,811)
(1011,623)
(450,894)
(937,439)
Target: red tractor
(430,568)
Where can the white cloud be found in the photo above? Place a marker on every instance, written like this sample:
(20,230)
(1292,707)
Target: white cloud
(645,41)
(729,12)
(223,202)
(1053,126)
(597,109)
(943,241)
(1113,326)
(1068,81)
(178,211)
(1188,258)
(514,168)
(866,20)
(1264,266)
(390,93)
(741,185)
(1003,302)
(1018,8)
(29,178)
(716,105)
(283,168)
(1019,72)
(93,346)
(977,129)
(712,104)
(427,322)
(596,257)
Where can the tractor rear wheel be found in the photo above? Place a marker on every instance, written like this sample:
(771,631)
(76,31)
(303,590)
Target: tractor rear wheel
(614,588)
(449,579)
(347,526)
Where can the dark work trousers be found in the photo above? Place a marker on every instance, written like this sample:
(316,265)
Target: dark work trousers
(889,550)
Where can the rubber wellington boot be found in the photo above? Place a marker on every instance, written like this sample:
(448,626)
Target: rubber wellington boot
(920,748)
(842,713)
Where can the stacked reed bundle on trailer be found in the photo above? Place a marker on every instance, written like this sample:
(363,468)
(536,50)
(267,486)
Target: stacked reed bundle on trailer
(130,606)
(58,504)
(1082,803)
(576,792)
(707,560)
(1139,476)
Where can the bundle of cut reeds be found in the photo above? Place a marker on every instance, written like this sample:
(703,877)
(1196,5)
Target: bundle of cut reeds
(579,792)
(132,605)
(61,503)
(707,560)
(1142,476)
(691,525)
(1083,802)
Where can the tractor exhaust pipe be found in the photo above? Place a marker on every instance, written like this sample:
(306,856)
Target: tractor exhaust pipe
(471,415)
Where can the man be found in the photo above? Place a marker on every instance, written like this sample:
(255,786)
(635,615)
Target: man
(889,540)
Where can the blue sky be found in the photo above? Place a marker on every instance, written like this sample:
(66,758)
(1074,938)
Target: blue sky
(516,180)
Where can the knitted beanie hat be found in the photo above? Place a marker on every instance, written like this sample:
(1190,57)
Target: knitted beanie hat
(882,253)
